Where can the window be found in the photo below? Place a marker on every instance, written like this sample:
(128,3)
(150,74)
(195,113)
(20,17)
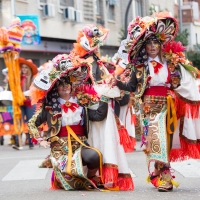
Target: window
(138,8)
(111,12)
(67,3)
(88,10)
(112,2)
(43,1)
(97,6)
(176,1)
(25,1)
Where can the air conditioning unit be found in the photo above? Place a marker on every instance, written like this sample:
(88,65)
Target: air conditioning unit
(68,14)
(78,16)
(48,11)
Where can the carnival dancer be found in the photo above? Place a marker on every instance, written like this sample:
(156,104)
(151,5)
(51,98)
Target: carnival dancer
(108,136)
(150,80)
(68,123)
(87,45)
(28,71)
(122,106)
(10,40)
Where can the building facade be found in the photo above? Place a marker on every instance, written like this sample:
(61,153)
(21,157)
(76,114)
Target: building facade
(191,22)
(60,20)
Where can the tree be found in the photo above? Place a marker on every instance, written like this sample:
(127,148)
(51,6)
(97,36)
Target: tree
(183,37)
(122,35)
(194,57)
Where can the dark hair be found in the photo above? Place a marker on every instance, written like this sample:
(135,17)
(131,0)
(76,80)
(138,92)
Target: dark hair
(64,79)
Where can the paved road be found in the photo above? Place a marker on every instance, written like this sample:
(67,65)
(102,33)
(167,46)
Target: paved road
(37,189)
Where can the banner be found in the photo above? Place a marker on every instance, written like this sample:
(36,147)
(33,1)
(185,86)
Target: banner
(30,23)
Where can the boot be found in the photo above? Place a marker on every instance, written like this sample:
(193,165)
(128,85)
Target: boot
(166,182)
(154,177)
(12,140)
(46,163)
(1,140)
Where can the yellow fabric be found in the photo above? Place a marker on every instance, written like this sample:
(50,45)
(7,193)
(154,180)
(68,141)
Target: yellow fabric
(173,118)
(174,183)
(11,61)
(148,179)
(71,133)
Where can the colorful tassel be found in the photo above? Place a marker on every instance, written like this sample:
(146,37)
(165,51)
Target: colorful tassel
(125,183)
(133,119)
(148,179)
(174,183)
(125,140)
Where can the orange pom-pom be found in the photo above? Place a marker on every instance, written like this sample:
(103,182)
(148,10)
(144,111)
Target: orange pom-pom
(36,94)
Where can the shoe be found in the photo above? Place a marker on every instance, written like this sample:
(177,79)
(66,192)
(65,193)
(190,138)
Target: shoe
(97,181)
(1,140)
(11,141)
(17,147)
(165,187)
(166,182)
(26,142)
(31,146)
(154,179)
(46,163)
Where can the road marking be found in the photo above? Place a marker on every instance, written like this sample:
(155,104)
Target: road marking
(21,157)
(188,168)
(26,170)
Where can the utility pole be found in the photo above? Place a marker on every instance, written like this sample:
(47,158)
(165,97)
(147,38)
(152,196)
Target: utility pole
(126,17)
(180,16)
(13,8)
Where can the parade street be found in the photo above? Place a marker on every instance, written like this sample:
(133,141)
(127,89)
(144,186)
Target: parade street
(22,179)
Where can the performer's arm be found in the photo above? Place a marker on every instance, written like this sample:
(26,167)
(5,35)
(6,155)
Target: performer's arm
(37,119)
(125,99)
(101,113)
(130,85)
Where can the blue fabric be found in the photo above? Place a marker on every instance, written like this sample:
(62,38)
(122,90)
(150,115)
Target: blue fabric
(28,113)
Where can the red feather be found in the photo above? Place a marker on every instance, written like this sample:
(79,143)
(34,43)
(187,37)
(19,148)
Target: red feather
(174,46)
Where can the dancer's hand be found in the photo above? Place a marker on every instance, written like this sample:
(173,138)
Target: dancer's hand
(44,144)
(170,93)
(113,81)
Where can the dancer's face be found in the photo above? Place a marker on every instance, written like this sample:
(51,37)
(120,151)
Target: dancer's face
(64,89)
(24,69)
(152,48)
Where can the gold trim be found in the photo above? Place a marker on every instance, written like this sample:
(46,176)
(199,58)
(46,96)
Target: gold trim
(33,130)
(139,95)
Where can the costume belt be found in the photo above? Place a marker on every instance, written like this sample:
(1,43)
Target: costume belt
(156,91)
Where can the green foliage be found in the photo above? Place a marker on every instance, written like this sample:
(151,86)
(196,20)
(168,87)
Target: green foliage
(152,10)
(183,37)
(194,57)
(122,35)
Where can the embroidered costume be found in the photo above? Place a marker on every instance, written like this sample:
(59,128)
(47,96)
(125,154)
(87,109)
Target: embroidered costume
(109,137)
(68,125)
(151,81)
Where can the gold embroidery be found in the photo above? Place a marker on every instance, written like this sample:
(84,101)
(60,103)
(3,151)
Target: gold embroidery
(139,74)
(31,125)
(142,89)
(139,87)
(53,131)
(53,121)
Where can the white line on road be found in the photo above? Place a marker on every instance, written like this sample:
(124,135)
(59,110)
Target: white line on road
(26,170)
